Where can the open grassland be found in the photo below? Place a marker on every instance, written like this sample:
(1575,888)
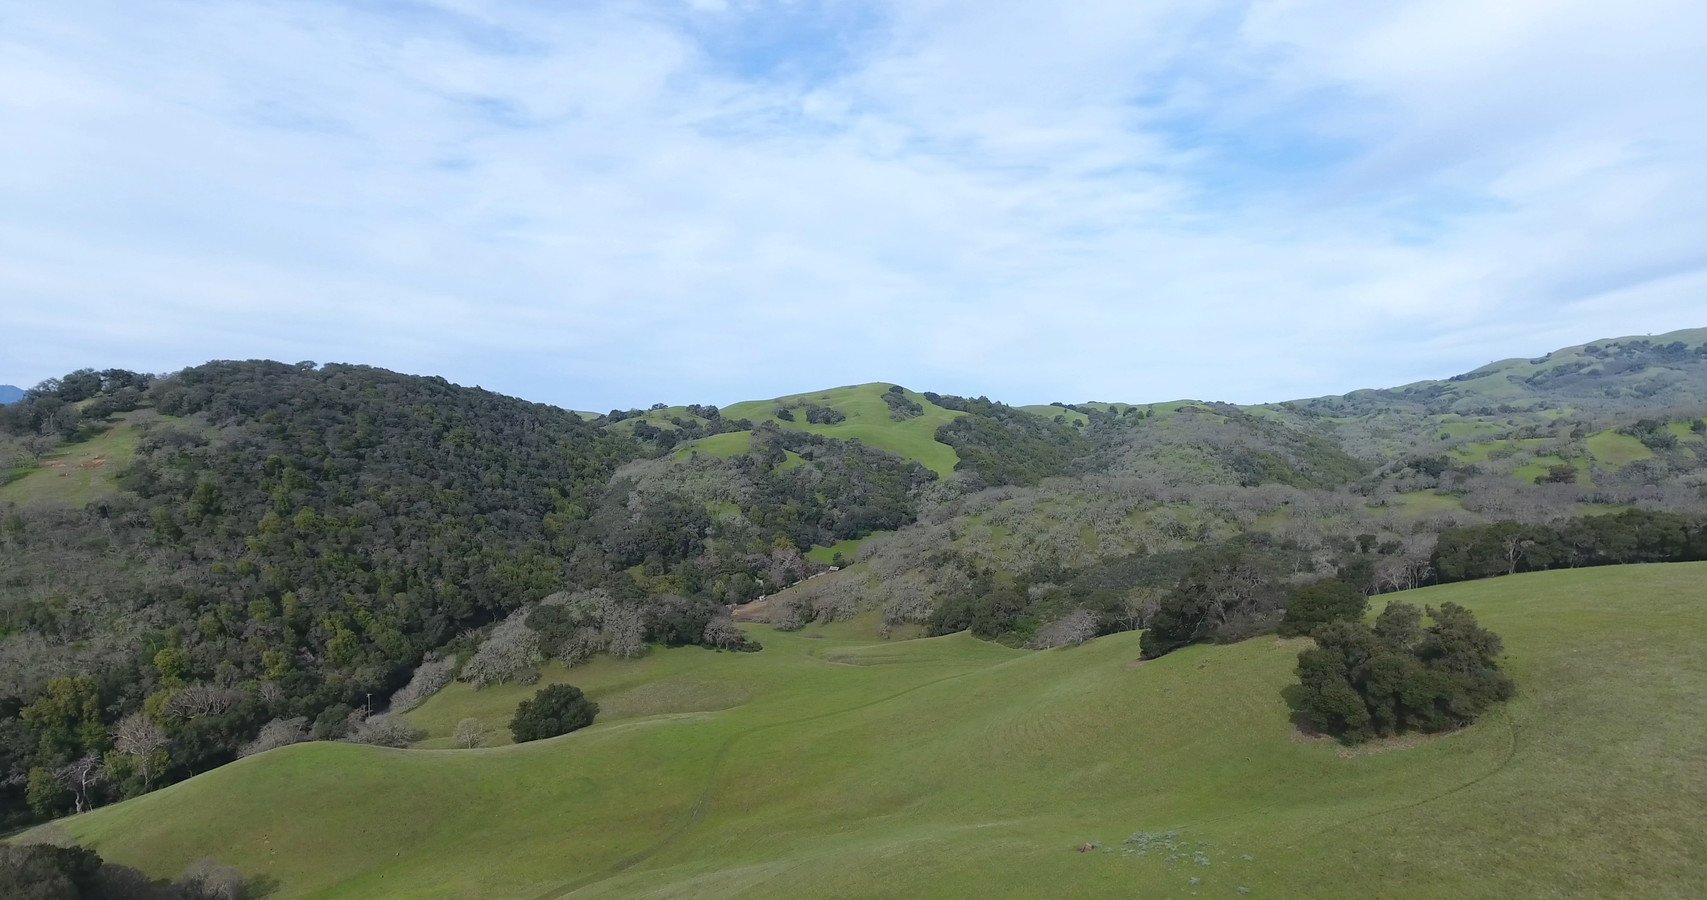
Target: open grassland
(1614,450)
(1050,412)
(726,445)
(1421,504)
(827,555)
(78,473)
(868,419)
(828,765)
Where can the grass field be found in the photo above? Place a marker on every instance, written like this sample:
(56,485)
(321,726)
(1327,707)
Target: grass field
(732,443)
(78,473)
(1615,450)
(826,555)
(949,767)
(867,419)
(1420,504)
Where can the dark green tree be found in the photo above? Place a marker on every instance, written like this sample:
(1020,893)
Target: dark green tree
(1359,682)
(557,709)
(1312,605)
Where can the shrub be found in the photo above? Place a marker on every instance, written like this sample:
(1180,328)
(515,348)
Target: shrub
(557,709)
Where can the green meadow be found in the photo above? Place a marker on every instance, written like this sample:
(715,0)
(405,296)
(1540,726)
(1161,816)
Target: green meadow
(833,765)
(868,420)
(79,473)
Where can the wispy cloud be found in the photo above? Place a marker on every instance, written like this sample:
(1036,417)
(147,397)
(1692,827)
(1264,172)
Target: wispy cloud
(615,203)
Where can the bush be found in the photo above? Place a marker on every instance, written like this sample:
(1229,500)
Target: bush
(557,709)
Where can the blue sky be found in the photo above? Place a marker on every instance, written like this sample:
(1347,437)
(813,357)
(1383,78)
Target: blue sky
(607,204)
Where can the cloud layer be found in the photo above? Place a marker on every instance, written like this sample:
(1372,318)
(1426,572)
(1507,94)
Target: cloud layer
(723,199)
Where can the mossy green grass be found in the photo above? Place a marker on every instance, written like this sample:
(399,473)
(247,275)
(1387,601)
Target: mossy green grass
(868,419)
(841,766)
(78,473)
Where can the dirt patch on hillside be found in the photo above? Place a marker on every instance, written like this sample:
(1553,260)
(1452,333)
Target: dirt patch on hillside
(757,611)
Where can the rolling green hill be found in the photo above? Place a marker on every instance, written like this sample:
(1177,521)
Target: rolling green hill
(868,419)
(865,416)
(1655,370)
(829,765)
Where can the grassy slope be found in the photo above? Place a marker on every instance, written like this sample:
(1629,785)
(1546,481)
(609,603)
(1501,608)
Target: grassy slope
(79,473)
(1615,450)
(867,419)
(950,767)
(726,445)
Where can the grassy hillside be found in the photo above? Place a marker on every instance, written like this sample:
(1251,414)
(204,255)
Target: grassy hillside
(951,767)
(868,420)
(78,473)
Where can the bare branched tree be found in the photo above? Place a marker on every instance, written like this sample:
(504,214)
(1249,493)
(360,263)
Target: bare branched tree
(384,731)
(469,733)
(81,777)
(430,676)
(200,700)
(275,734)
(140,736)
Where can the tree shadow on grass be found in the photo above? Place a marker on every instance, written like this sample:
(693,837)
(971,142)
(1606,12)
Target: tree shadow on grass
(1303,727)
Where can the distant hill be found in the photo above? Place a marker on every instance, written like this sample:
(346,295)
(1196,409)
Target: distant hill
(10,394)
(1654,371)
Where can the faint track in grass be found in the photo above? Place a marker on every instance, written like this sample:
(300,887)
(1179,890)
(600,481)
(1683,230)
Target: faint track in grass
(703,801)
(1510,754)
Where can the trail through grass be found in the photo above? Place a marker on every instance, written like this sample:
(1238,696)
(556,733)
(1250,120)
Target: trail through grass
(79,473)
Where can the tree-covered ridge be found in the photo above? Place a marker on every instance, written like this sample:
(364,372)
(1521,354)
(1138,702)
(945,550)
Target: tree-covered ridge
(290,548)
(1004,445)
(294,540)
(1632,372)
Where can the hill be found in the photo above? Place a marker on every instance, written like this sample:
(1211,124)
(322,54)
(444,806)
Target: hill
(953,767)
(854,412)
(1656,370)
(257,551)
(10,394)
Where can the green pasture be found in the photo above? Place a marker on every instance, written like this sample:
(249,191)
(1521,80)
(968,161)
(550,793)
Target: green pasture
(830,766)
(78,473)
(726,445)
(847,548)
(1614,450)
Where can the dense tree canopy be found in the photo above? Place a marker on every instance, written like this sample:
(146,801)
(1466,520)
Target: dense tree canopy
(557,709)
(1361,682)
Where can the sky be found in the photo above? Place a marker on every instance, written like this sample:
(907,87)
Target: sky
(607,204)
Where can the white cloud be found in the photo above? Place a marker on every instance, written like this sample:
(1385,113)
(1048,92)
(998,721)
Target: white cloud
(602,205)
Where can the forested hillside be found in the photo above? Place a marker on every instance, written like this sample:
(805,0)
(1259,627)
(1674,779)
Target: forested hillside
(287,543)
(248,554)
